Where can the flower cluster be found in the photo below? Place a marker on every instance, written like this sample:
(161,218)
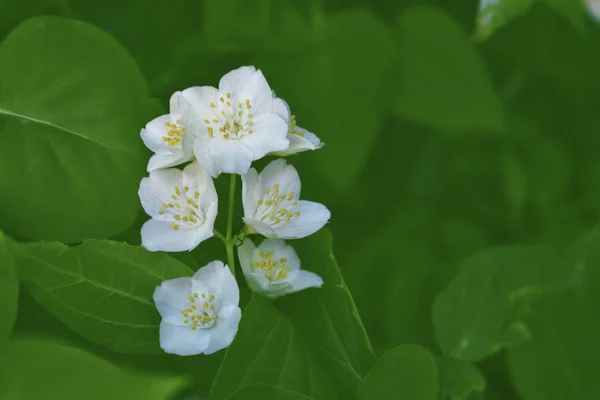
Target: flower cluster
(213,131)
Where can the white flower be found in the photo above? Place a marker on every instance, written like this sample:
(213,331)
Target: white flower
(271,205)
(300,139)
(199,314)
(183,207)
(234,124)
(168,138)
(273,269)
(593,7)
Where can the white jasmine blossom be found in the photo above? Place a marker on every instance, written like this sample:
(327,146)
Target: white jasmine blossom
(272,206)
(200,314)
(183,206)
(234,124)
(168,138)
(593,7)
(273,269)
(300,139)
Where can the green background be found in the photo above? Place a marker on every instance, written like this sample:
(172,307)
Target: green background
(460,166)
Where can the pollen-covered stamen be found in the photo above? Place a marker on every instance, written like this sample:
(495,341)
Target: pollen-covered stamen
(201,313)
(273,269)
(184,209)
(234,121)
(293,130)
(275,207)
(174,133)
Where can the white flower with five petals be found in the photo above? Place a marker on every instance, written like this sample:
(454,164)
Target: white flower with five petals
(183,206)
(234,124)
(273,269)
(168,137)
(200,314)
(272,206)
(300,139)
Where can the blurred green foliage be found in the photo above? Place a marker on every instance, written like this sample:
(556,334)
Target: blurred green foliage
(450,129)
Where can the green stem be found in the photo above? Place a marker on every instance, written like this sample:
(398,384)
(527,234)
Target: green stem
(229,243)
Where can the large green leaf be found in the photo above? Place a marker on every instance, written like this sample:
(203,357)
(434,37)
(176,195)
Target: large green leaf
(404,372)
(72,103)
(481,310)
(101,289)
(343,106)
(269,350)
(265,393)
(561,360)
(31,369)
(441,79)
(9,290)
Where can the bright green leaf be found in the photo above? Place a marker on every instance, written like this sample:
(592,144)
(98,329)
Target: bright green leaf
(561,360)
(494,14)
(31,369)
(9,290)
(404,372)
(265,393)
(269,350)
(441,79)
(458,379)
(481,310)
(72,103)
(100,289)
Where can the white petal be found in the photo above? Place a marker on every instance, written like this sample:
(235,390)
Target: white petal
(222,334)
(279,172)
(194,104)
(218,280)
(593,7)
(171,298)
(281,108)
(153,133)
(176,105)
(182,340)
(157,189)
(159,161)
(280,250)
(160,236)
(217,155)
(250,192)
(311,138)
(269,135)
(246,255)
(197,180)
(247,83)
(260,227)
(258,282)
(305,280)
(312,218)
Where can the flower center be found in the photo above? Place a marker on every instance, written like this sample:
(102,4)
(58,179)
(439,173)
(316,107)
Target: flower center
(174,133)
(275,208)
(184,209)
(292,129)
(201,313)
(233,122)
(273,270)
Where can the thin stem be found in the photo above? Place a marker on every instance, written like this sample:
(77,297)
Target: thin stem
(219,235)
(229,243)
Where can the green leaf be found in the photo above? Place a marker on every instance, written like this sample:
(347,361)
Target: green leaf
(441,79)
(100,289)
(327,317)
(72,102)
(9,290)
(316,327)
(269,350)
(31,369)
(493,15)
(481,310)
(561,360)
(265,393)
(458,379)
(404,372)
(572,10)
(327,97)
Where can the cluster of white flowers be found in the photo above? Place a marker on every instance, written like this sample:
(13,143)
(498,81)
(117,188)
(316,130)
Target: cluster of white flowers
(223,130)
